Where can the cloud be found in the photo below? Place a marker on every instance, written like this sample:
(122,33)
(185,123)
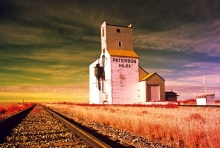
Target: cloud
(190,74)
(43,42)
(197,38)
(65,66)
(212,80)
(203,67)
(44,75)
(194,73)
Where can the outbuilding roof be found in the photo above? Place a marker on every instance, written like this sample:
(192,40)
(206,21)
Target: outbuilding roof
(142,73)
(149,75)
(170,93)
(205,95)
(123,53)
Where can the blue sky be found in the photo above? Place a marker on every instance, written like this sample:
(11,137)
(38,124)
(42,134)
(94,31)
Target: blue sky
(52,43)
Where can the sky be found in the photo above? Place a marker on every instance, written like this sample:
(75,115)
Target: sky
(47,46)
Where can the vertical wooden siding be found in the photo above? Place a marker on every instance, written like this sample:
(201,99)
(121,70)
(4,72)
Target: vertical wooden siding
(125,82)
(124,36)
(156,80)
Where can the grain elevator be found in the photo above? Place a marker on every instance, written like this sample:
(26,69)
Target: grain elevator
(116,77)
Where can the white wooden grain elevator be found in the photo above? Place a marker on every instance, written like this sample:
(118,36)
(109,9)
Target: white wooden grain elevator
(116,77)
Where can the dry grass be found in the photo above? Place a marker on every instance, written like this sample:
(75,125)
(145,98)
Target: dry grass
(178,127)
(9,108)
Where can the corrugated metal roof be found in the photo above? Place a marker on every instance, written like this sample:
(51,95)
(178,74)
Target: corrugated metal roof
(123,53)
(129,26)
(142,73)
(149,75)
(205,95)
(171,93)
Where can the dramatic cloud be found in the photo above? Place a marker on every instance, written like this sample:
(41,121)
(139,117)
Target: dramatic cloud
(53,42)
(186,38)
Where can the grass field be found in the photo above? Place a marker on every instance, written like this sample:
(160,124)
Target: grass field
(176,126)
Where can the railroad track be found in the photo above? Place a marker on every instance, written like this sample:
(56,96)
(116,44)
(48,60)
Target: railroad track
(43,127)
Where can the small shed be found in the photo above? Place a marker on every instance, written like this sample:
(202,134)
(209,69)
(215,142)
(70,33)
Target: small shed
(154,87)
(171,96)
(206,99)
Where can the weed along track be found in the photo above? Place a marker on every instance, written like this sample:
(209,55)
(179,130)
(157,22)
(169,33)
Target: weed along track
(45,128)
(148,126)
(122,136)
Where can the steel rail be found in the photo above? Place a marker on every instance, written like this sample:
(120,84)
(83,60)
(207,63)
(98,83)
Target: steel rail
(9,123)
(87,137)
